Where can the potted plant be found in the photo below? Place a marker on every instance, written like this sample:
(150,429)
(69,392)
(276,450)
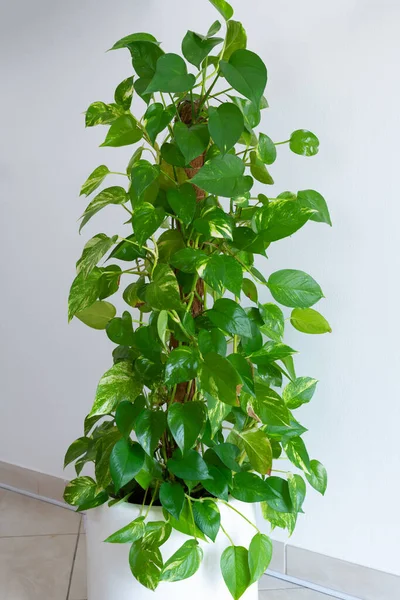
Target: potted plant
(198,404)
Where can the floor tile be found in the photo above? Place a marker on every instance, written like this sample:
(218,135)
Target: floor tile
(293,594)
(267,582)
(21,515)
(36,567)
(78,582)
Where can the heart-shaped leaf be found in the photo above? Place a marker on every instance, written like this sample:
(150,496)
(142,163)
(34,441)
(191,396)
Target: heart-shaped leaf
(171,75)
(246,73)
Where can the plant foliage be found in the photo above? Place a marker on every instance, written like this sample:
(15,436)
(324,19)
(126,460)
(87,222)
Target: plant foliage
(199,400)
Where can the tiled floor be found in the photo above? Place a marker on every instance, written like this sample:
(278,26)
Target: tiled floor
(42,555)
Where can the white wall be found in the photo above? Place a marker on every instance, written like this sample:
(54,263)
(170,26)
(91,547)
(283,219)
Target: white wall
(333,68)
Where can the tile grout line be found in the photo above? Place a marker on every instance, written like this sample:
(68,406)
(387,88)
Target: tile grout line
(73,559)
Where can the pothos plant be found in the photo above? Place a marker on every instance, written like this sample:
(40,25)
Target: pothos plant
(190,413)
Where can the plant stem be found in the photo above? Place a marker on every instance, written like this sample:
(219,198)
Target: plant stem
(280,143)
(239,513)
(227,535)
(152,499)
(192,515)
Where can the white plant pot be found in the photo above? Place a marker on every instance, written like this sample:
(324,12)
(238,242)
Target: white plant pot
(109,574)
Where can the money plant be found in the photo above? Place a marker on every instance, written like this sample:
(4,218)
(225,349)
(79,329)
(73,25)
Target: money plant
(198,404)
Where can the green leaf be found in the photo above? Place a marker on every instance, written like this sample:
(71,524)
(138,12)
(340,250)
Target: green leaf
(313,200)
(308,320)
(226,125)
(246,73)
(223,176)
(300,391)
(294,288)
(143,175)
(266,149)
(278,496)
(235,570)
(99,113)
(220,379)
(133,293)
(172,155)
(190,467)
(162,326)
(128,534)
(249,487)
(187,259)
(249,289)
(217,411)
(269,406)
(94,180)
(146,562)
(111,195)
(212,341)
(296,452)
(228,453)
(156,119)
(259,170)
(280,219)
(123,132)
(245,371)
(185,422)
(270,352)
(297,491)
(207,517)
(116,385)
(236,38)
(163,292)
(149,427)
(214,223)
(317,476)
(274,321)
(168,243)
(191,141)
(220,272)
(120,330)
(157,533)
(195,47)
(229,316)
(146,220)
(172,498)
(93,251)
(81,492)
(171,75)
(97,315)
(260,554)
(304,142)
(185,523)
(184,563)
(258,449)
(124,92)
(84,292)
(182,200)
(128,250)
(223,8)
(133,38)
(76,449)
(127,413)
(126,460)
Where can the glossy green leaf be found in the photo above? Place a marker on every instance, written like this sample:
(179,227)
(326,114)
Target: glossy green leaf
(235,570)
(182,365)
(259,170)
(94,180)
(133,38)
(109,281)
(126,460)
(249,487)
(228,453)
(173,156)
(146,220)
(297,491)
(156,119)
(84,292)
(120,330)
(93,252)
(182,200)
(149,427)
(274,321)
(300,391)
(185,522)
(236,38)
(128,250)
(217,412)
(246,73)
(244,370)
(123,132)
(296,452)
(214,223)
(81,492)
(270,352)
(314,201)
(117,384)
(191,466)
(191,141)
(157,533)
(172,498)
(183,563)
(258,449)
(308,320)
(163,292)
(223,176)
(266,149)
(317,476)
(126,414)
(196,47)
(143,175)
(220,272)
(229,316)
(187,259)
(304,142)
(146,563)
(260,555)
(212,341)
(223,8)
(207,517)
(294,288)
(171,75)
(226,124)
(76,449)
(278,495)
(111,195)
(269,406)
(124,92)
(168,243)
(128,534)
(97,315)
(280,219)
(100,113)
(185,422)
(220,379)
